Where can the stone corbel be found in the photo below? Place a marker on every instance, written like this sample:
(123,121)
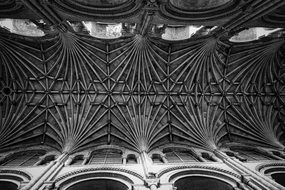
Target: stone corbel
(152,183)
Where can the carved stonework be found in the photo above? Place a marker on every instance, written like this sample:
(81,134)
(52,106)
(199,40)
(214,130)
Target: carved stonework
(159,83)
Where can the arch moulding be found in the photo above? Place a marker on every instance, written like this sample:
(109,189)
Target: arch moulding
(126,177)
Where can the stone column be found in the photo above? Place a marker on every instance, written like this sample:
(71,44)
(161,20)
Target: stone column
(215,158)
(86,158)
(146,162)
(250,177)
(138,160)
(201,158)
(163,157)
(32,183)
(53,168)
(124,159)
(69,161)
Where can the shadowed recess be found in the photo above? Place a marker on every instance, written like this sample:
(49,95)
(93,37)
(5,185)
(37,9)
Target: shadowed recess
(102,2)
(279,178)
(201,183)
(99,184)
(198,4)
(8,185)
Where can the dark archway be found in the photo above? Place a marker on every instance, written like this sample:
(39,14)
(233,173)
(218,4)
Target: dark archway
(201,183)
(198,4)
(279,178)
(99,184)
(8,185)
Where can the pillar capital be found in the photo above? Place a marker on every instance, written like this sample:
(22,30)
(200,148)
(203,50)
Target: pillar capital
(152,183)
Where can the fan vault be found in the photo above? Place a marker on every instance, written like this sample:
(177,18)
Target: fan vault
(71,92)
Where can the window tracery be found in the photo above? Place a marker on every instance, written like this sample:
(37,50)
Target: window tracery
(106,156)
(23,159)
(142,92)
(179,156)
(247,154)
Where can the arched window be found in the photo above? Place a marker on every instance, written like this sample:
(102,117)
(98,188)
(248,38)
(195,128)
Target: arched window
(28,158)
(100,184)
(5,185)
(156,159)
(22,27)
(77,160)
(131,159)
(180,32)
(104,30)
(106,156)
(179,156)
(201,183)
(47,160)
(252,155)
(173,32)
(255,33)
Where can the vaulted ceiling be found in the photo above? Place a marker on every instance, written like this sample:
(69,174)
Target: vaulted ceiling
(71,91)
